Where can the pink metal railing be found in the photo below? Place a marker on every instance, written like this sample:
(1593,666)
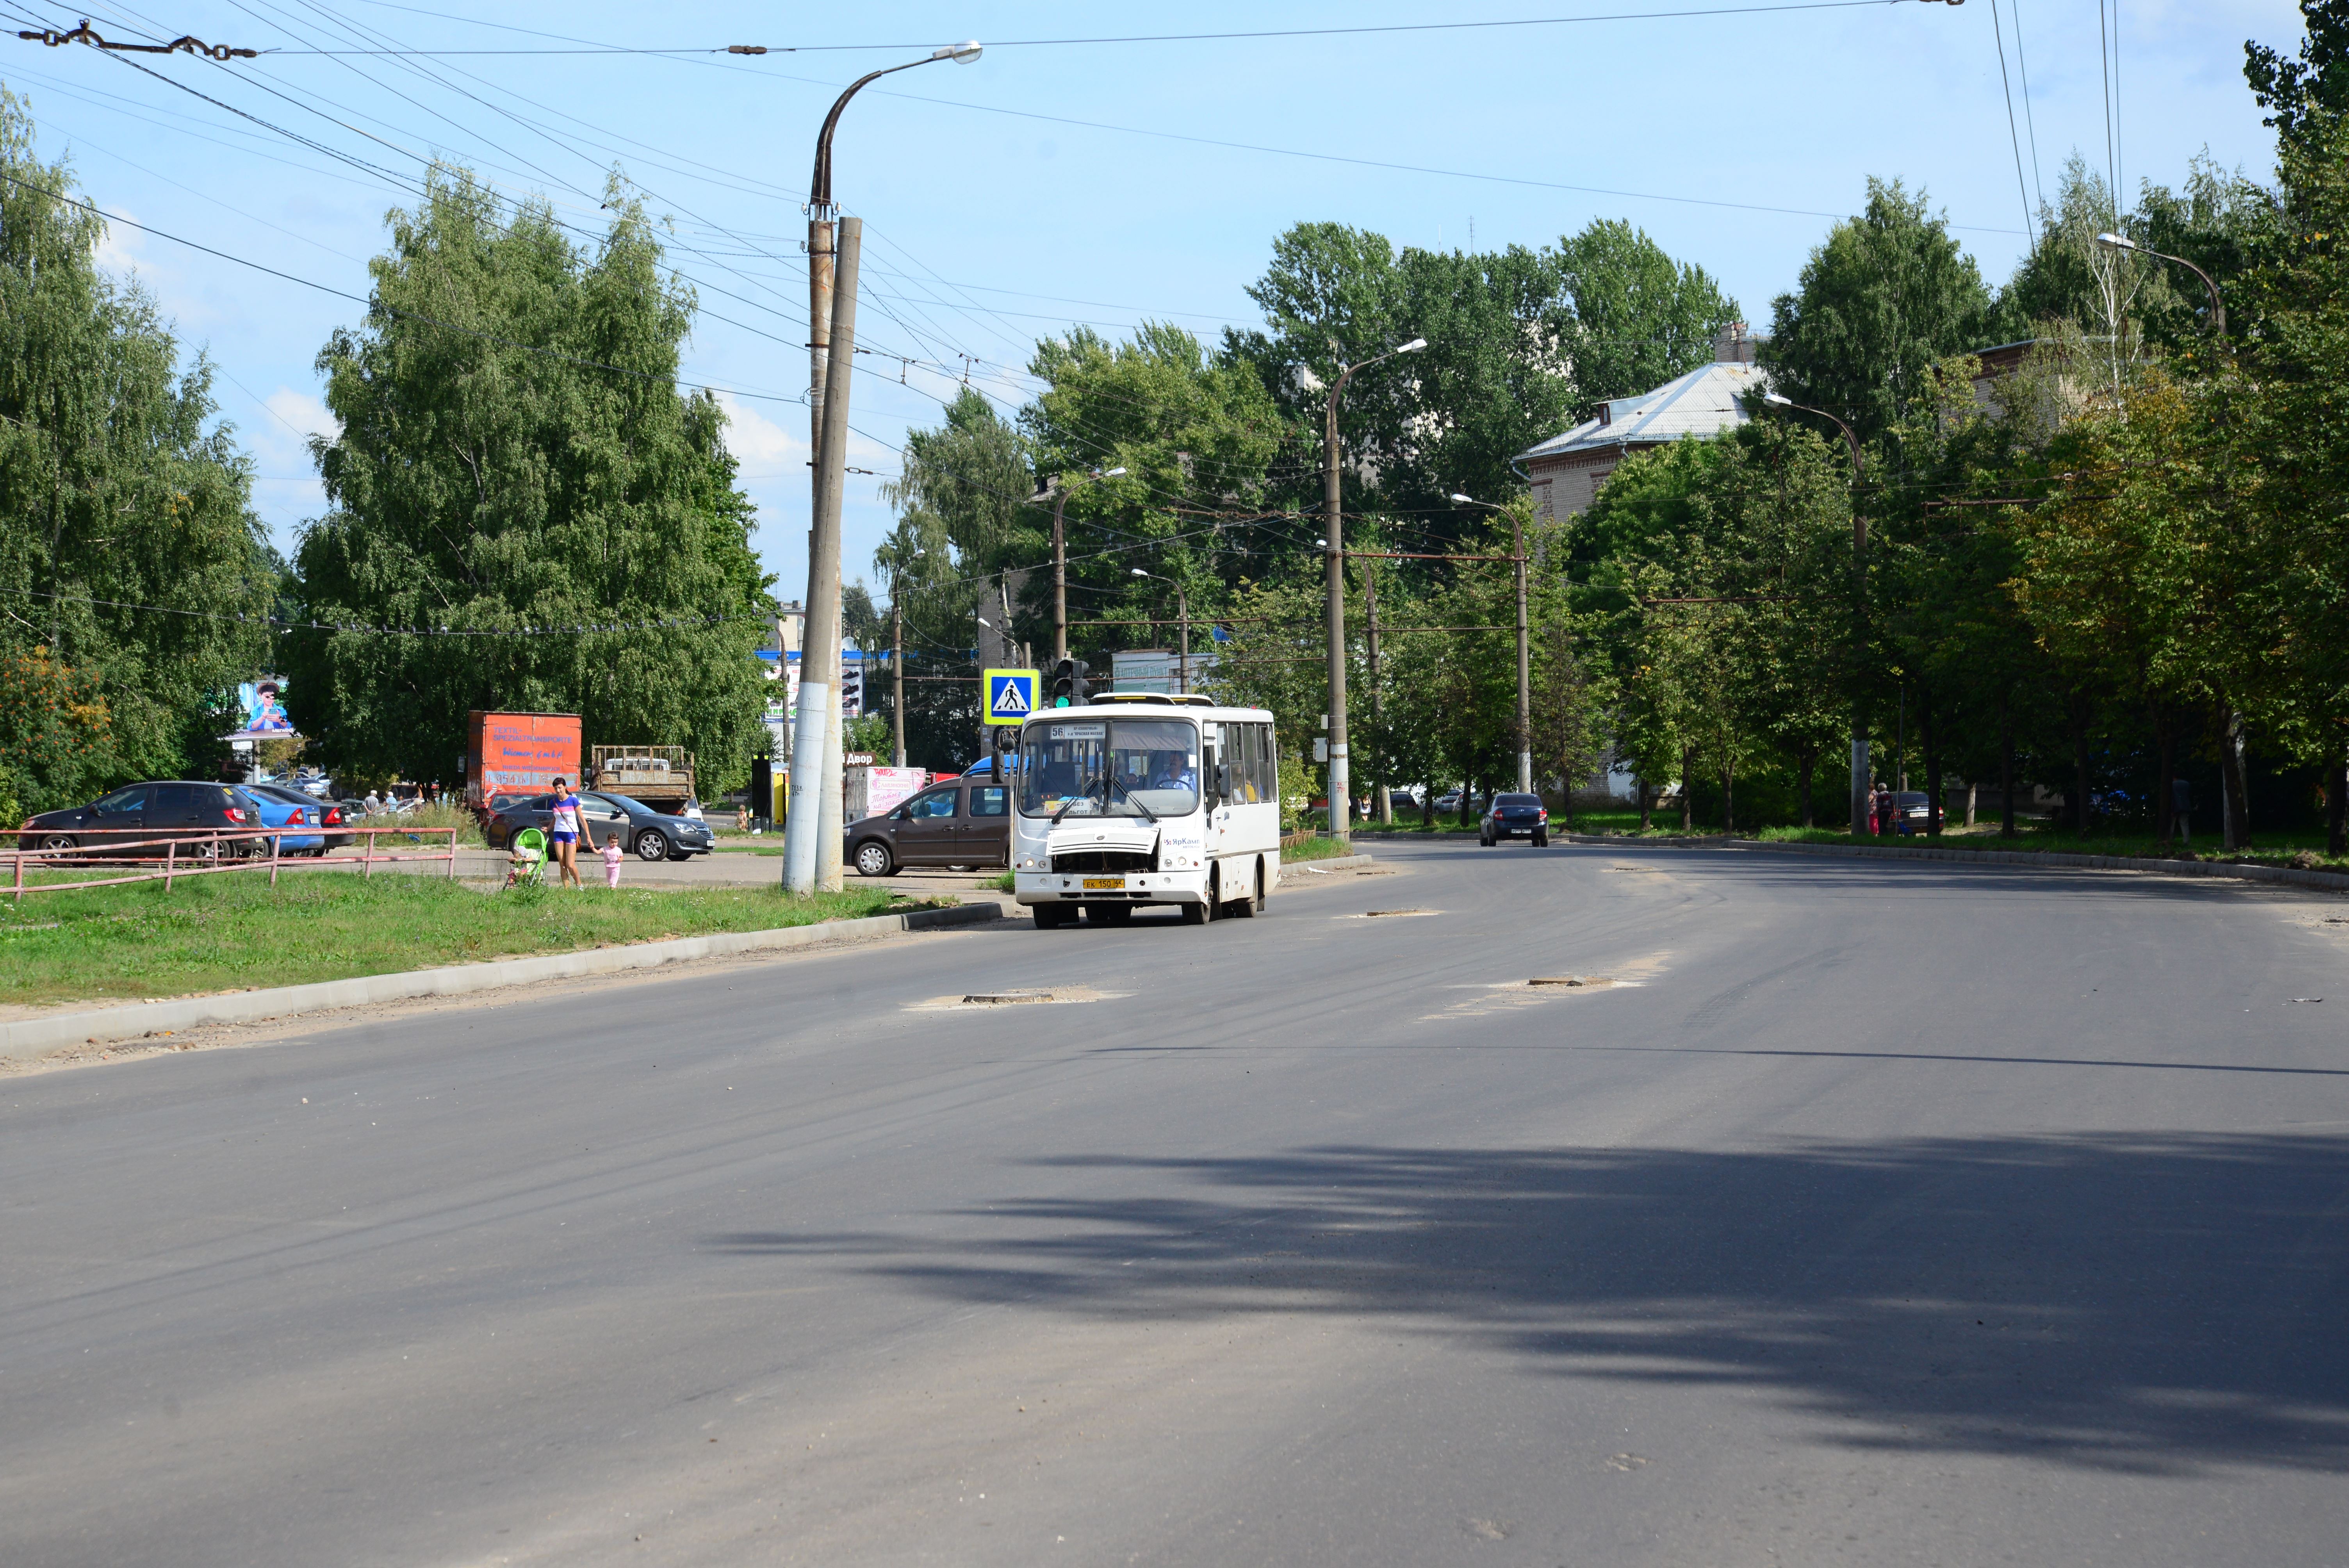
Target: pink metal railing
(192,853)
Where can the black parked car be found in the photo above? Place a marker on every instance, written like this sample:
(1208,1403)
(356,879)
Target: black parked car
(169,808)
(647,834)
(1514,817)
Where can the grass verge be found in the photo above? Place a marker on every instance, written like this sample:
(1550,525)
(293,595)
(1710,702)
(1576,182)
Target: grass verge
(1315,848)
(2304,852)
(235,934)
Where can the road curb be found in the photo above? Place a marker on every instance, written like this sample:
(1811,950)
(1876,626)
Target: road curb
(1334,863)
(25,1037)
(2329,882)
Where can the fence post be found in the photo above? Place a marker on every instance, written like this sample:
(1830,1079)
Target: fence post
(366,855)
(18,856)
(170,853)
(276,842)
(452,854)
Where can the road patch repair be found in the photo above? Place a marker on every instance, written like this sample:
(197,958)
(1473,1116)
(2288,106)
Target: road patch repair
(1013,996)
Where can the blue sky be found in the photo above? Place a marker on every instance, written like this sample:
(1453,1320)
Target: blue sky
(1006,199)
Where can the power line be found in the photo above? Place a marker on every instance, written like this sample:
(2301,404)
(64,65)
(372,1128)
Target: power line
(1997,34)
(585,47)
(2029,124)
(391,309)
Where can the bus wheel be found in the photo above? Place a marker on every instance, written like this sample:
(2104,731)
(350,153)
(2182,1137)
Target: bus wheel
(1250,906)
(1197,914)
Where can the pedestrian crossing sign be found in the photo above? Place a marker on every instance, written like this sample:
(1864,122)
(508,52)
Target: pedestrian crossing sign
(1010,694)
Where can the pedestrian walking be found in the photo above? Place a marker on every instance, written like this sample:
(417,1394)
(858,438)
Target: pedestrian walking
(374,801)
(612,861)
(566,834)
(1882,802)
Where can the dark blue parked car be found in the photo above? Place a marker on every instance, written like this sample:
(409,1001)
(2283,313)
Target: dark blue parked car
(1515,816)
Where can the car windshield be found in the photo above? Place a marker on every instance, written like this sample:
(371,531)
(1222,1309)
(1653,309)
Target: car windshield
(1110,767)
(1518,800)
(1915,798)
(627,803)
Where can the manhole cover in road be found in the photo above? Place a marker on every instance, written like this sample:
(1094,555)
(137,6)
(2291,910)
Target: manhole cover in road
(1006,998)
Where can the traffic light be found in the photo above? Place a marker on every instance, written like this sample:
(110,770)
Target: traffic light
(1070,687)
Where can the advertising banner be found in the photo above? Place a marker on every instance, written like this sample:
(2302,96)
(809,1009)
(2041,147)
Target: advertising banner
(265,709)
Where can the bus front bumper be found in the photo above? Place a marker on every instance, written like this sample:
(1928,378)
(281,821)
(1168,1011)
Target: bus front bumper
(1111,887)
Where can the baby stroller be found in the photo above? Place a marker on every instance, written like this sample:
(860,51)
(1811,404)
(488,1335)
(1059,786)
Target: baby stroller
(529,860)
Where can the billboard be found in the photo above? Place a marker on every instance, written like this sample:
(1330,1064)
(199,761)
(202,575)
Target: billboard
(261,700)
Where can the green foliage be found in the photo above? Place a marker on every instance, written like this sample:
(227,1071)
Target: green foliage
(974,475)
(1887,297)
(113,497)
(54,732)
(2301,94)
(1521,344)
(1640,318)
(537,468)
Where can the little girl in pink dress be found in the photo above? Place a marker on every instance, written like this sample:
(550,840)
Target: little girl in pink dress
(612,862)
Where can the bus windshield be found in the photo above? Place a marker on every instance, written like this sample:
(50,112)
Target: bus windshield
(1110,767)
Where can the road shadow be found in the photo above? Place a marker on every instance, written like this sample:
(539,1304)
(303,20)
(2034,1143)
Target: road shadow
(2142,1303)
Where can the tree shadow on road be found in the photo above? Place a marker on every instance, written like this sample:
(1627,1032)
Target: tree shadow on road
(2150,1303)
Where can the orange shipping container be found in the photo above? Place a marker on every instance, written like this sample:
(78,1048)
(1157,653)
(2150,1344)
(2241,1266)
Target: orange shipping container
(509,754)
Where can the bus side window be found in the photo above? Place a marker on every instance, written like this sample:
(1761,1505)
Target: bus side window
(1270,762)
(1254,742)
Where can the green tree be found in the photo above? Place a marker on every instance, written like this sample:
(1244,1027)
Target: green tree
(1885,298)
(1521,344)
(517,462)
(1638,319)
(2302,95)
(114,497)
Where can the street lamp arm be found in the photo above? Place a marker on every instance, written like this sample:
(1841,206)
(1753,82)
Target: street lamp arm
(2112,241)
(820,186)
(1851,440)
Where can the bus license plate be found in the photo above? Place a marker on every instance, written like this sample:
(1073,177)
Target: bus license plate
(1105,884)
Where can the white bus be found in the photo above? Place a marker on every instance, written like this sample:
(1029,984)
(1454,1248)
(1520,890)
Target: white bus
(1139,798)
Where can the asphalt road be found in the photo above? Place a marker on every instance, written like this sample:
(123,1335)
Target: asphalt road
(1882,1214)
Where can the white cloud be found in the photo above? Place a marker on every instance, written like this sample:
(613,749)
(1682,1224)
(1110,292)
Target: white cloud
(761,445)
(279,430)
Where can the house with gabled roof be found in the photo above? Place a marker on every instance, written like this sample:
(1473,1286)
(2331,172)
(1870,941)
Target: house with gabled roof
(1566,470)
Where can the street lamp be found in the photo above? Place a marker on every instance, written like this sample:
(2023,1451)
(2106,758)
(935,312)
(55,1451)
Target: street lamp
(1183,609)
(1332,506)
(2217,306)
(1059,490)
(812,839)
(1859,805)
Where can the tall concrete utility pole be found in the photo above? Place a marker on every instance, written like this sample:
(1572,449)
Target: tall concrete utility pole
(1341,780)
(1060,578)
(898,669)
(814,825)
(811,832)
(1382,794)
(1859,765)
(1059,490)
(1525,666)
(1525,656)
